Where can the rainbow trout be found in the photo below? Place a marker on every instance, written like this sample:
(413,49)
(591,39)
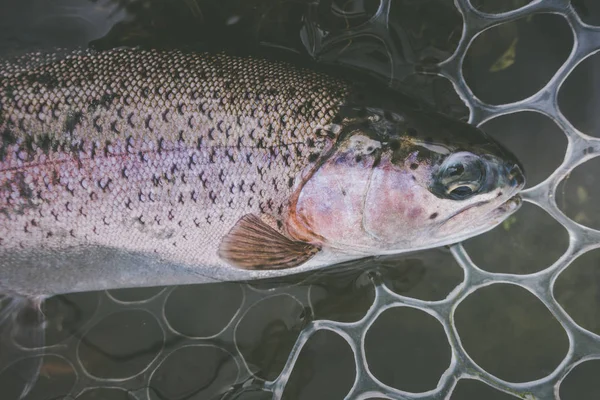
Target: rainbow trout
(139,167)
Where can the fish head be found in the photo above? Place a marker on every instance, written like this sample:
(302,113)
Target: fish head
(398,182)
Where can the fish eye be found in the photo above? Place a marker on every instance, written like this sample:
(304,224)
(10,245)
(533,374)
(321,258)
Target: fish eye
(462,191)
(455,170)
(463,175)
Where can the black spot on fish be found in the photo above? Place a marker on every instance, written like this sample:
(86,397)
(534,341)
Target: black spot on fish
(93,105)
(113,127)
(358,159)
(147,123)
(433,216)
(104,184)
(73,119)
(107,100)
(414,166)
(130,120)
(93,150)
(97,126)
(588,150)
(230,155)
(8,138)
(24,190)
(28,144)
(143,157)
(107,148)
(313,157)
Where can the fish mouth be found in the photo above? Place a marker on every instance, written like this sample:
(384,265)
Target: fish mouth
(509,206)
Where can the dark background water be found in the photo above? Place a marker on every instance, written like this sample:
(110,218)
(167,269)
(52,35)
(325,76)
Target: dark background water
(214,340)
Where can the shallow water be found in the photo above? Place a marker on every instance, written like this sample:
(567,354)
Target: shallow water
(428,322)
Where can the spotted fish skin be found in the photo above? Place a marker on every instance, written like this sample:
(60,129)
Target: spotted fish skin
(115,163)
(141,167)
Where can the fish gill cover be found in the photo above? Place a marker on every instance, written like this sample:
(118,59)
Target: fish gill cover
(487,320)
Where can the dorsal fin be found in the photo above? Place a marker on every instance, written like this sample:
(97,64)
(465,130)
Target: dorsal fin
(252,244)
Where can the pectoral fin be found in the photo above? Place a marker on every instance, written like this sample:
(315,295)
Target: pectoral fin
(252,244)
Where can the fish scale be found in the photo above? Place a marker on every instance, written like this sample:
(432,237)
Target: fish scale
(151,152)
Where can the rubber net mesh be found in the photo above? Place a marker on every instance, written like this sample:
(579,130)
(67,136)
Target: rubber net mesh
(224,344)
